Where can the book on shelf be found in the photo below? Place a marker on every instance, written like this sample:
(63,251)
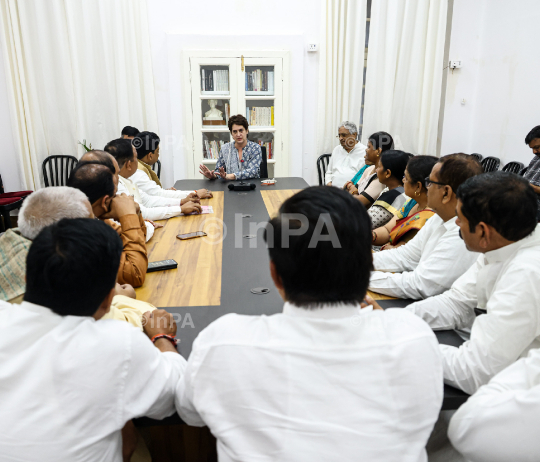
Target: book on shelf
(260,80)
(217,80)
(260,116)
(269,148)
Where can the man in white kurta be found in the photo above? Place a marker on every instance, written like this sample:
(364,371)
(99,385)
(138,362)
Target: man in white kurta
(429,263)
(69,384)
(347,158)
(153,207)
(500,422)
(504,281)
(320,381)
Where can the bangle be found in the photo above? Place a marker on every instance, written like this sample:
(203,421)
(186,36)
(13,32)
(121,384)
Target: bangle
(170,338)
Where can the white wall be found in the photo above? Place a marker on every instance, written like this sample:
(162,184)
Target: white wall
(9,168)
(498,43)
(238,24)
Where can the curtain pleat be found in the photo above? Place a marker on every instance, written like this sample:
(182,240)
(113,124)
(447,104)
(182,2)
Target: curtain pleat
(404,72)
(340,69)
(77,69)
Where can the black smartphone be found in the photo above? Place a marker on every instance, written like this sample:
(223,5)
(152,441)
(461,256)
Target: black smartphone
(191,235)
(161,265)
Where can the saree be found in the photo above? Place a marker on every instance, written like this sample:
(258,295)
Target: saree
(406,223)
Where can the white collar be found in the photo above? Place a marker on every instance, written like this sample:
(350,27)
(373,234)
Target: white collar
(450,224)
(506,252)
(41,310)
(326,311)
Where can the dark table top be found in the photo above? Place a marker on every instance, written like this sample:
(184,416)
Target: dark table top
(247,267)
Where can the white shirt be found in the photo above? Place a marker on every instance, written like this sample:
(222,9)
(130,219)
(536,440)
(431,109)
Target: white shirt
(152,207)
(344,165)
(427,265)
(68,384)
(500,422)
(151,188)
(506,283)
(335,383)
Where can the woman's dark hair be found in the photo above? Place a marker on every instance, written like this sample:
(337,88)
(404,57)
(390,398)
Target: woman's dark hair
(534,133)
(145,143)
(396,162)
(319,234)
(382,140)
(72,266)
(238,120)
(130,131)
(502,200)
(419,168)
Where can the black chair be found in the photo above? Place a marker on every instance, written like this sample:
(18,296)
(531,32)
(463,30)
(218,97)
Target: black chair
(513,167)
(522,173)
(56,169)
(264,164)
(478,157)
(322,165)
(157,168)
(491,164)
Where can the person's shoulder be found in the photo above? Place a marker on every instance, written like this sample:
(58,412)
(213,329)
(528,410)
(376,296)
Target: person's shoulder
(254,145)
(231,328)
(404,324)
(138,175)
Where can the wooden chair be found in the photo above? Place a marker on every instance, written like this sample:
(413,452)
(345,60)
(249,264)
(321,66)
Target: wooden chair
(56,169)
(157,168)
(322,165)
(491,164)
(513,167)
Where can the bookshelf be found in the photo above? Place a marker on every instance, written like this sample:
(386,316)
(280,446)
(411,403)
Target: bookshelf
(225,83)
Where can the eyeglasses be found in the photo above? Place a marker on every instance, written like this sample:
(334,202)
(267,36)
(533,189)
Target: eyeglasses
(429,182)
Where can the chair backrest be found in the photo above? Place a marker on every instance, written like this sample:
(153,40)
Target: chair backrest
(157,168)
(491,164)
(56,169)
(478,157)
(1,185)
(322,165)
(513,167)
(524,171)
(264,164)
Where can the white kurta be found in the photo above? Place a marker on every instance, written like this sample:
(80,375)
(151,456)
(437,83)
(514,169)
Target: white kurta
(328,384)
(500,422)
(344,165)
(506,283)
(151,188)
(426,266)
(69,384)
(152,207)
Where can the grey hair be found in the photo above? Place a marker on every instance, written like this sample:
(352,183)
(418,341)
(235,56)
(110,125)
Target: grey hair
(49,205)
(349,126)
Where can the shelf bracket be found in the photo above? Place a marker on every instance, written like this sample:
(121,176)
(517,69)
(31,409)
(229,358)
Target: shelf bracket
(242,57)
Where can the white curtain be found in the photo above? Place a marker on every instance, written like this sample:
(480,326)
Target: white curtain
(405,71)
(77,69)
(341,68)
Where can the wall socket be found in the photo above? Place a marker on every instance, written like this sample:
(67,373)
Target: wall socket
(455,64)
(312,48)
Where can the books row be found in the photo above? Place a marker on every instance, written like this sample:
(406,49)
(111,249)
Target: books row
(259,80)
(260,116)
(269,148)
(212,148)
(214,80)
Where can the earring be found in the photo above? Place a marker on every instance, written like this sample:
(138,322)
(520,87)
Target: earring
(416,193)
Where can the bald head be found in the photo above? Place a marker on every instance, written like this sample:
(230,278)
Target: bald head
(103,157)
(49,205)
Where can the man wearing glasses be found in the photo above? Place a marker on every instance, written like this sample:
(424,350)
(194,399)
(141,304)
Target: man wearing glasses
(347,158)
(429,264)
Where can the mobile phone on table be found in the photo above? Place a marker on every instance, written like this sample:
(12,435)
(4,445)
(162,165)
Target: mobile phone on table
(161,265)
(183,237)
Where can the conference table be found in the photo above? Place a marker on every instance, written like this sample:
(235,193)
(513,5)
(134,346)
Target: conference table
(218,274)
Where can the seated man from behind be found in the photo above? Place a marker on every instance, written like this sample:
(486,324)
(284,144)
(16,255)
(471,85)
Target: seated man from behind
(152,207)
(532,175)
(147,146)
(41,209)
(430,262)
(70,387)
(128,133)
(497,217)
(499,423)
(325,379)
(120,212)
(347,158)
